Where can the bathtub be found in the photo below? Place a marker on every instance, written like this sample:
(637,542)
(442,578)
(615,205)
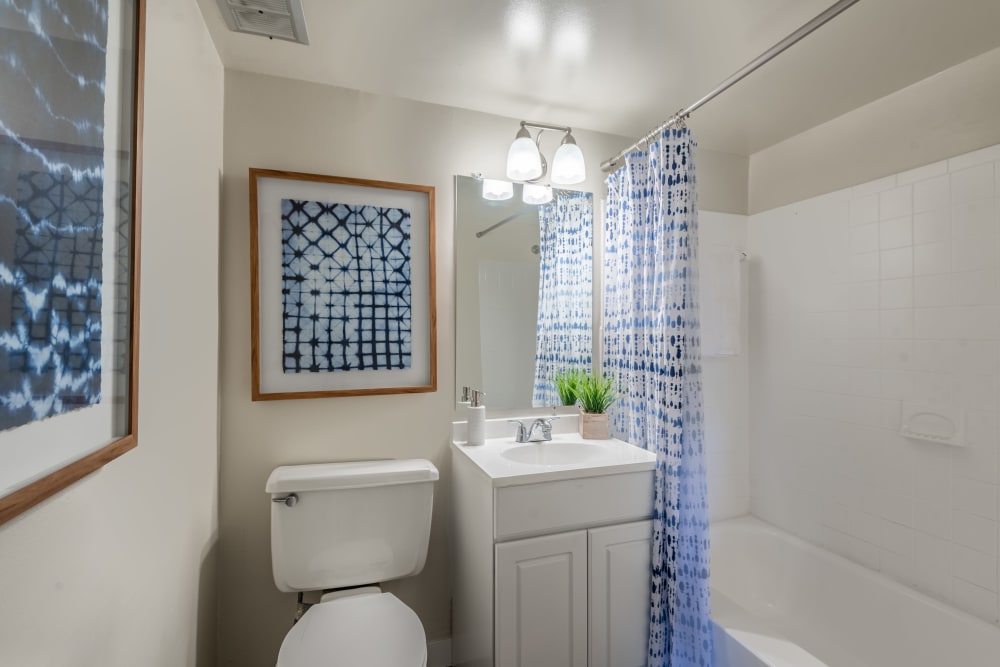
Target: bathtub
(778,601)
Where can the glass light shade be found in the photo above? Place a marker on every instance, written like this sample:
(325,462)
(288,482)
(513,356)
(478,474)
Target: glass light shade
(536,194)
(523,161)
(496,190)
(568,167)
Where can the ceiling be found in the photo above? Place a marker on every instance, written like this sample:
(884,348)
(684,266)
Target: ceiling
(622,66)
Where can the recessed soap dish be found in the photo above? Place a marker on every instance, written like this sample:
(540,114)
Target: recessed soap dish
(933,424)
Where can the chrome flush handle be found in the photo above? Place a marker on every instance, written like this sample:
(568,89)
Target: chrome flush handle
(290,500)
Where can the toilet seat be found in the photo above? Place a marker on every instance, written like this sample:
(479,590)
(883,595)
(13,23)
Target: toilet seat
(366,630)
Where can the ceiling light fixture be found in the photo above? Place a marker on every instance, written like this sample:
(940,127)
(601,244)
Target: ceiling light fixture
(568,166)
(525,161)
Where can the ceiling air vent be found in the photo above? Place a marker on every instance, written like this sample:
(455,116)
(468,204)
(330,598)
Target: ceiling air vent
(281,19)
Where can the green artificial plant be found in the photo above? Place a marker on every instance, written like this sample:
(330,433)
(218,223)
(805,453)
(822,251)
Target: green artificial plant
(596,393)
(567,382)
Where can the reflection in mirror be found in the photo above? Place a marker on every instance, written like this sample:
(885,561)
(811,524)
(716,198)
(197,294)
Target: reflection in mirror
(524,276)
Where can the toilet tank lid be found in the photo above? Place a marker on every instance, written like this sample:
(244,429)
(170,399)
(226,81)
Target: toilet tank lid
(349,475)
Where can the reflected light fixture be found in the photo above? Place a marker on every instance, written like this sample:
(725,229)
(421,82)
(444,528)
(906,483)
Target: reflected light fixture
(496,190)
(525,161)
(536,194)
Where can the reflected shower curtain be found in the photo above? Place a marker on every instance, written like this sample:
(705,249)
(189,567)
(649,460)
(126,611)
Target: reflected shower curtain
(652,350)
(565,294)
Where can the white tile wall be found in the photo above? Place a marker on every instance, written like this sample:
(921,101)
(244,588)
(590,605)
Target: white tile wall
(865,300)
(724,385)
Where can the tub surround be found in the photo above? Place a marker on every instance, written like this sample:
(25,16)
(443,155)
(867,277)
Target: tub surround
(792,603)
(869,303)
(725,383)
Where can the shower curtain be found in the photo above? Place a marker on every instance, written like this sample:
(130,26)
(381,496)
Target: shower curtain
(564,332)
(651,349)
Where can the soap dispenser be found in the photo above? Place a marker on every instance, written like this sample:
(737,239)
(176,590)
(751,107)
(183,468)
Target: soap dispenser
(466,399)
(477,419)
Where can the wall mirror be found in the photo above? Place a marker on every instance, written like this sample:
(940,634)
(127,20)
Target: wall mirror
(524,292)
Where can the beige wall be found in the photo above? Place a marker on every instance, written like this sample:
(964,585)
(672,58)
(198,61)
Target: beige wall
(952,112)
(116,571)
(283,124)
(723,181)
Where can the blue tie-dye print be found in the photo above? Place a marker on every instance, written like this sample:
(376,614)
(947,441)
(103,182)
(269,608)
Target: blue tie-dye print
(652,349)
(52,74)
(564,335)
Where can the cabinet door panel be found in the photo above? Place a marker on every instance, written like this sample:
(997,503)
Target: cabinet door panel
(541,608)
(619,594)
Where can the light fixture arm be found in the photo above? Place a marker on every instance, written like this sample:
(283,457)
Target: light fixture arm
(541,156)
(545,126)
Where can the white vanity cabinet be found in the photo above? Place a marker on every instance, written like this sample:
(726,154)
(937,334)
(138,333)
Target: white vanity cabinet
(550,570)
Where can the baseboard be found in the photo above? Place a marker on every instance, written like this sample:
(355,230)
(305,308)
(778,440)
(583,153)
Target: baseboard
(439,653)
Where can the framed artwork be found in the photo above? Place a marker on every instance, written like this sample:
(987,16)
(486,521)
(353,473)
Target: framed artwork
(70,153)
(342,286)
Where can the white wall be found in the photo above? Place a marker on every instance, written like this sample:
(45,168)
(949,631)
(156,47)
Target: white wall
(283,124)
(118,569)
(724,385)
(866,301)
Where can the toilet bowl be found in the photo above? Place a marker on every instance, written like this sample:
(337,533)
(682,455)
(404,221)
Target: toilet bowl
(369,629)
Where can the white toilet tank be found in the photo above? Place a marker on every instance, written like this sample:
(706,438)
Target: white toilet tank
(348,524)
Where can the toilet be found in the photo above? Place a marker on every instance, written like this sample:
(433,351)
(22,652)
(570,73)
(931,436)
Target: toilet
(343,528)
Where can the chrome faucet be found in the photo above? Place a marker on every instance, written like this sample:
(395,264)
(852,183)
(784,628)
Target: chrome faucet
(527,434)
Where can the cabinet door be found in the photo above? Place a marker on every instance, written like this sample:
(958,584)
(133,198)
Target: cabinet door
(541,601)
(619,594)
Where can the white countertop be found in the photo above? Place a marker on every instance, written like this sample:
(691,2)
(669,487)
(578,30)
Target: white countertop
(603,457)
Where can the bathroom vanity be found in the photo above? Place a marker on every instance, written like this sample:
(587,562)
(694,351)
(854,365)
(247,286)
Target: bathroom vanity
(551,550)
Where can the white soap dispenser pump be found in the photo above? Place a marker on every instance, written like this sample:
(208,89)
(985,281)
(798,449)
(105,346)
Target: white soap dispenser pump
(477,419)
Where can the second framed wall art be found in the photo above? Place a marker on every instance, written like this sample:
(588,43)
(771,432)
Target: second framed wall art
(342,286)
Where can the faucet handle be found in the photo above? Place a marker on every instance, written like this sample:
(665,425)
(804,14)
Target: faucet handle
(546,424)
(522,432)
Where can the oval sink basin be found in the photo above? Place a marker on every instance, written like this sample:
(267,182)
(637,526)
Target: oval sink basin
(555,453)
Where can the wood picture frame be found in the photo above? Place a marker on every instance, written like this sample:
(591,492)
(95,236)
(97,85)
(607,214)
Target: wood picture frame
(342,286)
(70,181)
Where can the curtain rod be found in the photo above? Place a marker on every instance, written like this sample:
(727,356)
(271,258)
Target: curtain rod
(827,15)
(513,216)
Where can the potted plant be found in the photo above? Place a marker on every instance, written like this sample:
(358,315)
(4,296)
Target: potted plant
(567,382)
(595,394)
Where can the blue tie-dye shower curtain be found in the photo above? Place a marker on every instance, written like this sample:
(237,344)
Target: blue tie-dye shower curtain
(564,338)
(651,349)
